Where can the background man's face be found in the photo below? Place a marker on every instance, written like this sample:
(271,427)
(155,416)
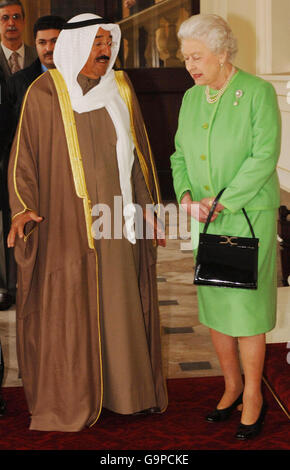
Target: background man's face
(45,42)
(100,55)
(11,23)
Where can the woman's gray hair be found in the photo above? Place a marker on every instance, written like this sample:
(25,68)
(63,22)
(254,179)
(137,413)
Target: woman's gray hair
(213,30)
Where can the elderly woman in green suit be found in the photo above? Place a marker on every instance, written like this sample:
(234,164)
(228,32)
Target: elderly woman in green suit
(228,136)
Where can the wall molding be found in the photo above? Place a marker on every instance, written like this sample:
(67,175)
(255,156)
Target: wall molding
(264,36)
(280,83)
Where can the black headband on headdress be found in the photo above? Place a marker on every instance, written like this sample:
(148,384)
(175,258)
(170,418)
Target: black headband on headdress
(83,24)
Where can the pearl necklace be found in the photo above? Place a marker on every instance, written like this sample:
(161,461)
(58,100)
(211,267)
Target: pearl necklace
(214,98)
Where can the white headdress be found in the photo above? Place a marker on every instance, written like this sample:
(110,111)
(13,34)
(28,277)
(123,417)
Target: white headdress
(71,53)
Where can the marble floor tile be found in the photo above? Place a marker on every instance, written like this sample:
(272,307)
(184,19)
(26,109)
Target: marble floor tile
(8,342)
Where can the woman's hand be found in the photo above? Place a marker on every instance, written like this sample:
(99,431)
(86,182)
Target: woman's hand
(18,224)
(208,202)
(200,210)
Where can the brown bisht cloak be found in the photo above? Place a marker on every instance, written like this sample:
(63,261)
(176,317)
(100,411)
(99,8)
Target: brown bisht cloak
(59,311)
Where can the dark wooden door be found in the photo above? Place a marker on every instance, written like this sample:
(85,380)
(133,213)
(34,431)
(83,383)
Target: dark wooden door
(160,93)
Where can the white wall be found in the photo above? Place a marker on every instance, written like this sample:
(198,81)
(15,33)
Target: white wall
(241,14)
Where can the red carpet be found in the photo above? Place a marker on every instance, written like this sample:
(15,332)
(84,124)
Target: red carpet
(277,371)
(182,426)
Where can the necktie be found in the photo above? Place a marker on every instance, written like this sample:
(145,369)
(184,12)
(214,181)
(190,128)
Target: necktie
(13,62)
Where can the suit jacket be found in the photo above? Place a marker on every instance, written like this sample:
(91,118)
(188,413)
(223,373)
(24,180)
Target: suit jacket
(18,84)
(29,56)
(6,124)
(12,93)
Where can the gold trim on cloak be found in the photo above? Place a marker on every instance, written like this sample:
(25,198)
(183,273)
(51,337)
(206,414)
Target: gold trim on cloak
(126,94)
(80,183)
(74,149)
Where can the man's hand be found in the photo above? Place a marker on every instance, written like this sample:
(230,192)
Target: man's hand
(156,226)
(18,224)
(159,233)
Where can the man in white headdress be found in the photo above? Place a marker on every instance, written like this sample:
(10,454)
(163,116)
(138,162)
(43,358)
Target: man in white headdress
(87,310)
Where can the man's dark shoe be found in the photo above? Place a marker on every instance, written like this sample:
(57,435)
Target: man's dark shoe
(2,406)
(5,300)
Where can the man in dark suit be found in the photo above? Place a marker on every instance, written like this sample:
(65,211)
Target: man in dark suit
(46,31)
(4,141)
(6,129)
(14,54)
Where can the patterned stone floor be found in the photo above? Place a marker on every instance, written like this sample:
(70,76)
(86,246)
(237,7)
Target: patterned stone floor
(186,343)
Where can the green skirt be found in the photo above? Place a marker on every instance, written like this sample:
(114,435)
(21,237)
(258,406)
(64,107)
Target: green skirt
(242,312)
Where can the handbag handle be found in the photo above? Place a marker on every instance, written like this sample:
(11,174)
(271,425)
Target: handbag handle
(215,202)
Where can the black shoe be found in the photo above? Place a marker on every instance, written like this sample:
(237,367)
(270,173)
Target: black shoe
(248,431)
(223,414)
(12,295)
(5,301)
(2,406)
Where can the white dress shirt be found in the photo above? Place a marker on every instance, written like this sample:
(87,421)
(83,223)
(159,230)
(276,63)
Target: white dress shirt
(20,51)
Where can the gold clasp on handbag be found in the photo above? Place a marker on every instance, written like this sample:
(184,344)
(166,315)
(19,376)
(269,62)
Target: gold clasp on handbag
(228,240)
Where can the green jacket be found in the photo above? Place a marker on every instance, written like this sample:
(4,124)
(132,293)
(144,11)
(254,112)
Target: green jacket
(230,145)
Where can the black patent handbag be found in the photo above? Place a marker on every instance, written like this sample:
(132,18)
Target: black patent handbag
(227,261)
